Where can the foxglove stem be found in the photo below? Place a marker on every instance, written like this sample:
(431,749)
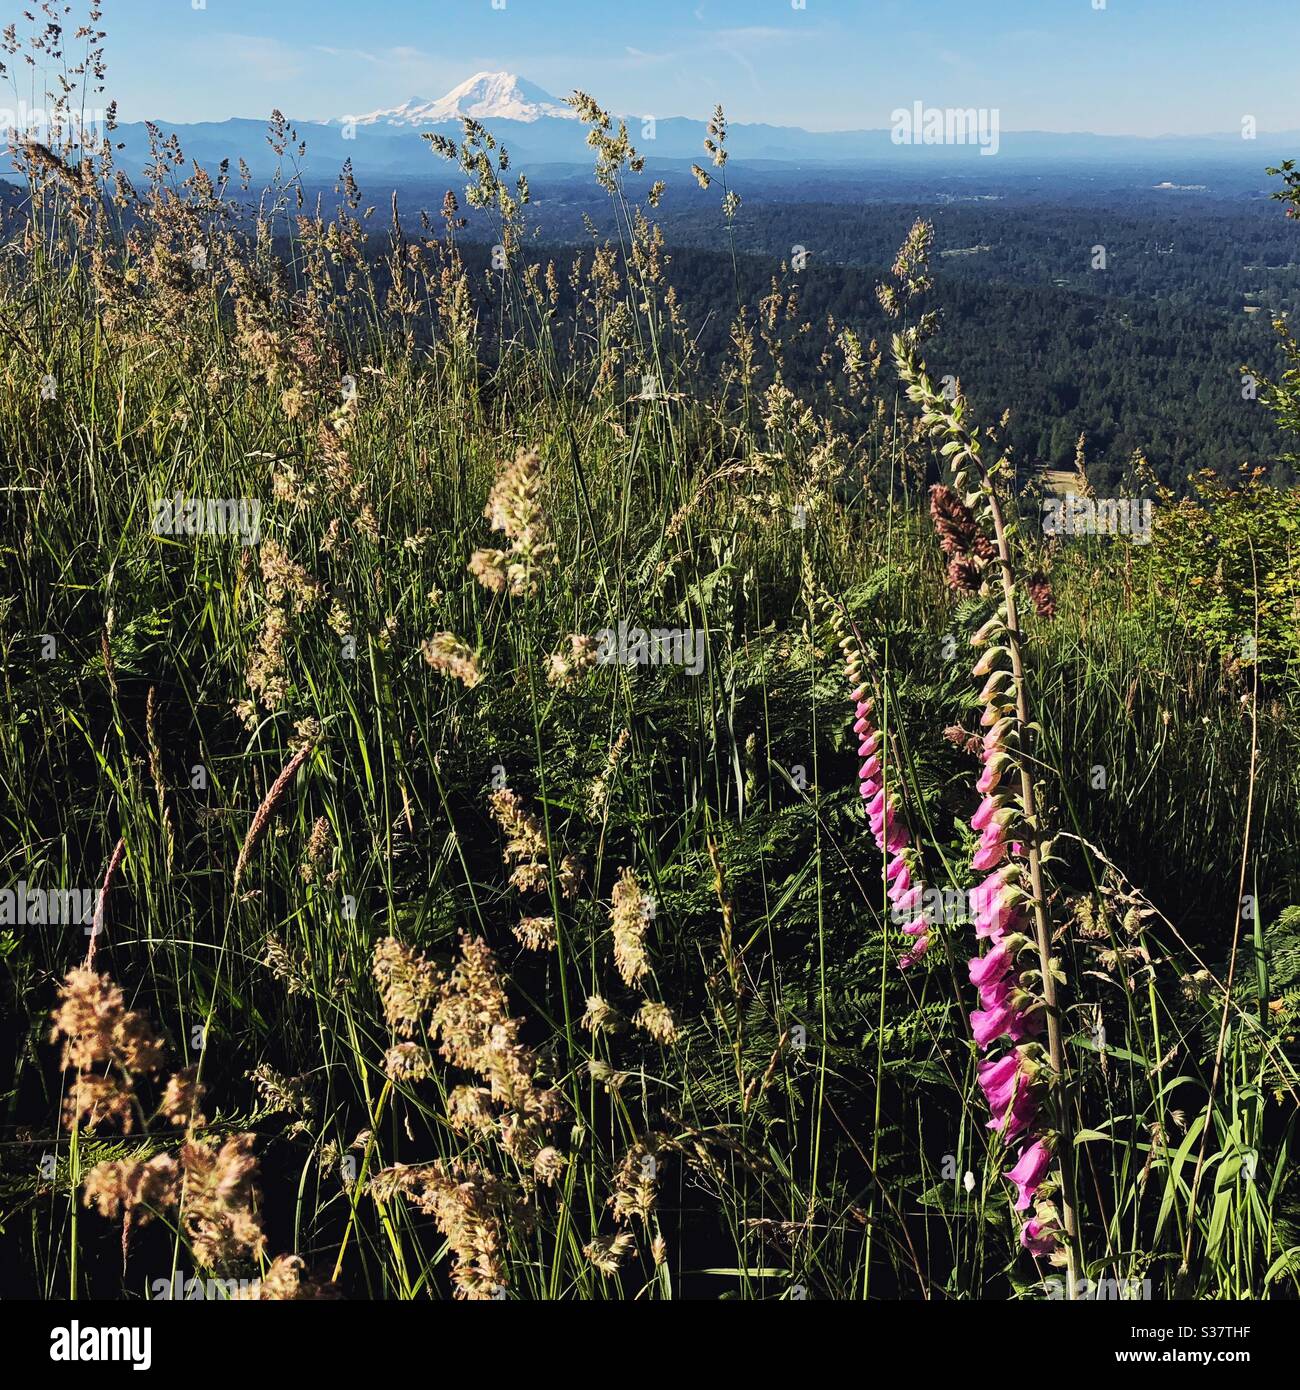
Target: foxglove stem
(943,417)
(1042,927)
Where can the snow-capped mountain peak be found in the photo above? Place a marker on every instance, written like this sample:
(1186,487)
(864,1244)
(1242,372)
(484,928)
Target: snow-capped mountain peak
(500,96)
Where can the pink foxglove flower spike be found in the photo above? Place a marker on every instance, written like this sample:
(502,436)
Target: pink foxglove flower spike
(904,889)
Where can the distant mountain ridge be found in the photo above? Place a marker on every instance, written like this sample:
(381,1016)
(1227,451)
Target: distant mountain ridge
(540,129)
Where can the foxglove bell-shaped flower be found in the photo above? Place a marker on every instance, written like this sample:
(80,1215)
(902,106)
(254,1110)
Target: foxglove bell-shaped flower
(986,970)
(991,776)
(1018,1116)
(998,1080)
(988,1025)
(1030,1169)
(1040,1238)
(908,901)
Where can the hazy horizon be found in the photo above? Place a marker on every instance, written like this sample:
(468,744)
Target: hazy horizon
(560,95)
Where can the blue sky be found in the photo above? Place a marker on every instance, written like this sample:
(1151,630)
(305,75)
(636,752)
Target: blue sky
(1145,67)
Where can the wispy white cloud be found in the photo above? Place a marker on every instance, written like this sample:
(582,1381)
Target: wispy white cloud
(745,42)
(634,58)
(760,35)
(399,56)
(352,53)
(742,60)
(267,59)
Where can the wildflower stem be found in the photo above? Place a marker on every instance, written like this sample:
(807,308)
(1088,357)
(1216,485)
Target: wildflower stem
(1042,926)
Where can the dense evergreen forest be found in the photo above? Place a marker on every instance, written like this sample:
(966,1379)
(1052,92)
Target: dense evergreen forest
(1137,314)
(1132,372)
